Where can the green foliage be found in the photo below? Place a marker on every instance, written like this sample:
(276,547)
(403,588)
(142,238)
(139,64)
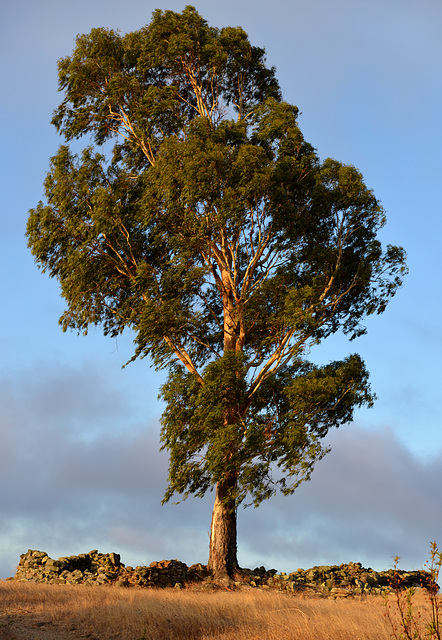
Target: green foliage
(201,219)
(214,427)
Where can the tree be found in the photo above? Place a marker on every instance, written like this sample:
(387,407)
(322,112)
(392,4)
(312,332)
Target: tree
(210,227)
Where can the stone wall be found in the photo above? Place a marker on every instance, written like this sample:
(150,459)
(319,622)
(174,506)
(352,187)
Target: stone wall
(338,580)
(96,568)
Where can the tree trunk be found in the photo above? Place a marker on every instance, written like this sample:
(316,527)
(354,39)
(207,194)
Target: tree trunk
(223,562)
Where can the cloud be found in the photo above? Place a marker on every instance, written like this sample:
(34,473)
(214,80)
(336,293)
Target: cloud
(77,474)
(370,499)
(79,467)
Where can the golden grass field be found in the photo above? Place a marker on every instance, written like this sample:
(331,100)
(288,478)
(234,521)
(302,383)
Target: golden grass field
(34,611)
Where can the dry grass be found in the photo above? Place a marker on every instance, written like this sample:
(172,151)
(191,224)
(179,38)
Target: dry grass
(47,612)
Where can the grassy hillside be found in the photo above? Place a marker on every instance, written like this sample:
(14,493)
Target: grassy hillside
(49,612)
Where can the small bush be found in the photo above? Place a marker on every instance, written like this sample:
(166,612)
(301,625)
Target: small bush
(409,617)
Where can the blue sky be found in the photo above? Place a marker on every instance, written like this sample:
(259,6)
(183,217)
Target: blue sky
(79,460)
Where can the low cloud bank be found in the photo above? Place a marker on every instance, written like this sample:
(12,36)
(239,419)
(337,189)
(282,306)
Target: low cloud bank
(76,473)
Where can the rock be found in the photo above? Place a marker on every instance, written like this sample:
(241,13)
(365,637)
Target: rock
(340,593)
(122,582)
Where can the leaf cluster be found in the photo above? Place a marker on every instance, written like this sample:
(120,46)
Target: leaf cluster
(147,85)
(270,440)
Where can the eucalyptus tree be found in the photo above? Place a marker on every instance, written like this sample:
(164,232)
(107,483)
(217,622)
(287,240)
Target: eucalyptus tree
(199,217)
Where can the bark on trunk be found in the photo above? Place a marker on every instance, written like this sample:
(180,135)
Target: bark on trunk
(223,562)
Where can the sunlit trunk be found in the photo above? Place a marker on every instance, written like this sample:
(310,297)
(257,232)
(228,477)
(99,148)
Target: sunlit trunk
(223,561)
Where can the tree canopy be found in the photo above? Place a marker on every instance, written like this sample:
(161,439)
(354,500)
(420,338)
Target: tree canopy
(198,217)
